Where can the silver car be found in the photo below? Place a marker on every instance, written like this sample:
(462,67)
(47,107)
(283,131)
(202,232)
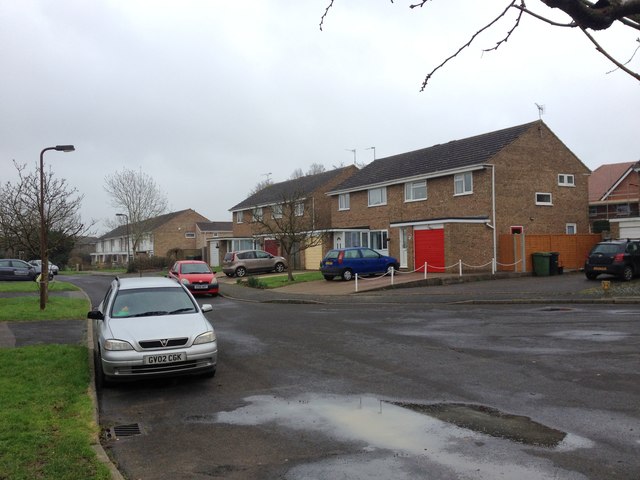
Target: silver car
(252,261)
(151,326)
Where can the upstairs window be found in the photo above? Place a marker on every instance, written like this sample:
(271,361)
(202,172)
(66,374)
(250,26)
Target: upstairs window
(344,201)
(257,214)
(189,234)
(276,211)
(415,191)
(543,199)
(239,216)
(566,180)
(463,184)
(377,196)
(299,209)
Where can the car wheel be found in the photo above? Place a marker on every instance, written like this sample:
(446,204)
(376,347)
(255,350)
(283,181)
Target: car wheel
(101,378)
(279,267)
(591,275)
(347,275)
(328,278)
(627,273)
(241,272)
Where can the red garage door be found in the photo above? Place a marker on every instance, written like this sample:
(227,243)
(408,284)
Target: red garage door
(429,248)
(271,246)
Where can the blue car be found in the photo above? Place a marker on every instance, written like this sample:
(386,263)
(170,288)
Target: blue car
(346,262)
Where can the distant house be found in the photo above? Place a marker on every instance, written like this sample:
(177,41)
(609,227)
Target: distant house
(265,208)
(614,197)
(208,240)
(458,201)
(171,234)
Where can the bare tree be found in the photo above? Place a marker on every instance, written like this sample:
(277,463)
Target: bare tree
(316,168)
(583,15)
(292,222)
(136,194)
(260,186)
(297,173)
(20,221)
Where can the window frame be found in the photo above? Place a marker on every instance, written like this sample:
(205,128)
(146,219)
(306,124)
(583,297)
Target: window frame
(276,210)
(344,201)
(461,179)
(410,191)
(543,202)
(298,209)
(570,226)
(240,216)
(257,214)
(563,180)
(383,196)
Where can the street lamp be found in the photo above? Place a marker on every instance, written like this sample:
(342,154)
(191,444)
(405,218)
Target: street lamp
(127,218)
(44,250)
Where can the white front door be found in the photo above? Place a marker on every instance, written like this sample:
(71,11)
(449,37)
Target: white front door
(403,248)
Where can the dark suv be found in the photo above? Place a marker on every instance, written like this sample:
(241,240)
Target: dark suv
(615,257)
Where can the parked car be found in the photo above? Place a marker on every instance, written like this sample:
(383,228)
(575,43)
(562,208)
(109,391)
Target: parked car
(151,326)
(615,257)
(195,275)
(346,262)
(37,264)
(13,269)
(252,261)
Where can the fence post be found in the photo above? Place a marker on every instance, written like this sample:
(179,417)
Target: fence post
(493,266)
(356,283)
(460,267)
(392,271)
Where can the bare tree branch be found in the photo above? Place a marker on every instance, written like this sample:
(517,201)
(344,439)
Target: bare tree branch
(611,59)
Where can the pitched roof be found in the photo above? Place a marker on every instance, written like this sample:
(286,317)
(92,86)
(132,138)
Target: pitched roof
(604,178)
(149,225)
(299,187)
(442,157)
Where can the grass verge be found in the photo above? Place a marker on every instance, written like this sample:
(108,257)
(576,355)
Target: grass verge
(277,281)
(46,419)
(54,286)
(26,309)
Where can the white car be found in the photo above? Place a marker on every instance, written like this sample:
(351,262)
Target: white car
(53,269)
(151,326)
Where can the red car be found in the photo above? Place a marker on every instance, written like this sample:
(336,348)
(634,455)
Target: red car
(195,275)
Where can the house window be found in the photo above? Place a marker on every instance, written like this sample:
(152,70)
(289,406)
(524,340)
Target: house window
(189,234)
(299,209)
(344,201)
(377,196)
(593,211)
(276,211)
(566,180)
(571,228)
(257,214)
(239,215)
(355,239)
(379,239)
(622,209)
(463,183)
(543,199)
(415,191)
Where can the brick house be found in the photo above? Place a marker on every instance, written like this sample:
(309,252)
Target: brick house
(208,236)
(614,199)
(256,219)
(454,201)
(170,234)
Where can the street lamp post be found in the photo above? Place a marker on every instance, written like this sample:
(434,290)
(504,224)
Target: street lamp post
(44,249)
(127,219)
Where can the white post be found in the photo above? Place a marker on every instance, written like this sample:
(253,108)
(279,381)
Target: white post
(425,270)
(356,283)
(392,270)
(460,267)
(493,266)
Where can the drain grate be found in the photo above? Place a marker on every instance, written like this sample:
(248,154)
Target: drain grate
(120,431)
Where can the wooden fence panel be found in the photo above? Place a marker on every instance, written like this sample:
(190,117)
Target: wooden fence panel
(572,249)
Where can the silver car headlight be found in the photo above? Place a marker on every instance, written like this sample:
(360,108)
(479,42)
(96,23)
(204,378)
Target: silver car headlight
(206,337)
(112,344)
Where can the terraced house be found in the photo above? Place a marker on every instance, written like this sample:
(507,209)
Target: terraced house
(471,200)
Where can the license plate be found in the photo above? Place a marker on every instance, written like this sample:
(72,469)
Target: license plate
(328,262)
(165,358)
(200,287)
(600,268)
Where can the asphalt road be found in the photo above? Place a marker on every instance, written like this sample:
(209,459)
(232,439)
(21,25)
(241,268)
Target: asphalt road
(311,391)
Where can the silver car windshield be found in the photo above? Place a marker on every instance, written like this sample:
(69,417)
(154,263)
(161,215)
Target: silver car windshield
(146,302)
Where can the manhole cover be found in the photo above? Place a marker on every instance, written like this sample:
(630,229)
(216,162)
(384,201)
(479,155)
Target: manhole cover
(120,431)
(491,422)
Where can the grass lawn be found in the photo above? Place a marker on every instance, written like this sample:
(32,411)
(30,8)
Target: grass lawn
(283,280)
(26,309)
(46,422)
(21,286)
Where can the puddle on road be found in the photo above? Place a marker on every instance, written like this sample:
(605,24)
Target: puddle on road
(416,441)
(591,335)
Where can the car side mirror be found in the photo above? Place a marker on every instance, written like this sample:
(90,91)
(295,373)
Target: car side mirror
(206,307)
(95,315)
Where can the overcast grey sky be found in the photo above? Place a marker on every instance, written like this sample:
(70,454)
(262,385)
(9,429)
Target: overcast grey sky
(210,97)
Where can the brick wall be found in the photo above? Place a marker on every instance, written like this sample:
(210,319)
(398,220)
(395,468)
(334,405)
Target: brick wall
(172,234)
